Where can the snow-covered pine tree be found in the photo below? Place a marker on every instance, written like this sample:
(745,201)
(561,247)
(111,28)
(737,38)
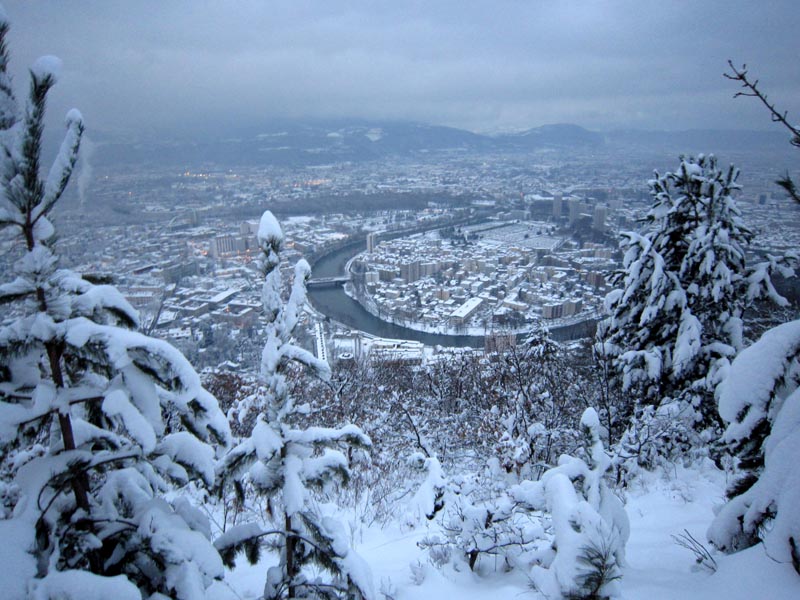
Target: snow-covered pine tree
(97,421)
(675,317)
(285,463)
(759,400)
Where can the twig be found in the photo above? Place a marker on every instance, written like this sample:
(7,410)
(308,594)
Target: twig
(752,90)
(702,555)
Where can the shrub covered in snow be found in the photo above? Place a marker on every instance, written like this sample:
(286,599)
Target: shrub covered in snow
(284,463)
(588,523)
(540,413)
(97,421)
(478,525)
(568,526)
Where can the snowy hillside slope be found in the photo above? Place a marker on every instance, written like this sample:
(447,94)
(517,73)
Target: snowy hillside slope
(659,506)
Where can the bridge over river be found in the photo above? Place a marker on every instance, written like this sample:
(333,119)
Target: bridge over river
(326,282)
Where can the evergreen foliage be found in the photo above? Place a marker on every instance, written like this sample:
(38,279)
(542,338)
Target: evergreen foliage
(598,569)
(676,316)
(760,402)
(285,463)
(97,421)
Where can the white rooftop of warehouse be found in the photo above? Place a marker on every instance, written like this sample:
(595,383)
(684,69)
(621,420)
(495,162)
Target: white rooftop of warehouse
(523,235)
(465,309)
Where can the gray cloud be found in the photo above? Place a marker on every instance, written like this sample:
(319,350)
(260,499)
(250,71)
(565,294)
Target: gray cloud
(172,65)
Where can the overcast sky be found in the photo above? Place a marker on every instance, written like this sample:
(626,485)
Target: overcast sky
(493,65)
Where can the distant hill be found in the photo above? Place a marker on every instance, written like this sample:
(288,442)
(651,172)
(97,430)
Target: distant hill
(297,143)
(559,136)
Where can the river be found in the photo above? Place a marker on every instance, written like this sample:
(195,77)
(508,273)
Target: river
(337,305)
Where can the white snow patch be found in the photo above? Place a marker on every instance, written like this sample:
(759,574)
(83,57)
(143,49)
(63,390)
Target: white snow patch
(752,378)
(374,134)
(269,228)
(82,585)
(47,66)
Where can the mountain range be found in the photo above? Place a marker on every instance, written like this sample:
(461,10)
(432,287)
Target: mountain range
(297,143)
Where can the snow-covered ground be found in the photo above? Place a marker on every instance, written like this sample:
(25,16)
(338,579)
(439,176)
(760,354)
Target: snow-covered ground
(659,569)
(659,507)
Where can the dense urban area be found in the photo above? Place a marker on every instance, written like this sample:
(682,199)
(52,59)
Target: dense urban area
(486,247)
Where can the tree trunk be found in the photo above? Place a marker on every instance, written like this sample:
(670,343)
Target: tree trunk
(79,484)
(291,567)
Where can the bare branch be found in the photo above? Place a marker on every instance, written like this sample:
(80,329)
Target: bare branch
(751,89)
(420,444)
(702,555)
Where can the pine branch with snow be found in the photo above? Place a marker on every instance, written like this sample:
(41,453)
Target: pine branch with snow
(760,402)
